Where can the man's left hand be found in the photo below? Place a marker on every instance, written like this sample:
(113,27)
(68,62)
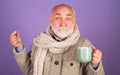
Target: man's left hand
(96,56)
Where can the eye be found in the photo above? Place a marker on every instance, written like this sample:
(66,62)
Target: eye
(58,18)
(68,18)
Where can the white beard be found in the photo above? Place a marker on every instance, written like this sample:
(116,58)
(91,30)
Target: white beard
(62,32)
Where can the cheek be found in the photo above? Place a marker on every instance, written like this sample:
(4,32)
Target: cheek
(55,24)
(71,25)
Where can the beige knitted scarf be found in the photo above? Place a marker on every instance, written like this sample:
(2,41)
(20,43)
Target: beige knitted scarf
(45,42)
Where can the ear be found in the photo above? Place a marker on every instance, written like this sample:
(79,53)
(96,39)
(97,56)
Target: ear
(50,19)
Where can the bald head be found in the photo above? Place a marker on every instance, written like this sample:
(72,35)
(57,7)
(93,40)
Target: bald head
(61,6)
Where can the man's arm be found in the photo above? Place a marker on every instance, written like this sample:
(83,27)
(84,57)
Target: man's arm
(22,57)
(90,71)
(94,67)
(23,60)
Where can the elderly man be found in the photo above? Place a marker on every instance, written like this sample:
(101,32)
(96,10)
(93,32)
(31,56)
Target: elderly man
(54,51)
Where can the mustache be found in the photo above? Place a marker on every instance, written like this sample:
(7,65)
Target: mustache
(62,28)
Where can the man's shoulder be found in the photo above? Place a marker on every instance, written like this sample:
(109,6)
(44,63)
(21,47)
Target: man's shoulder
(82,38)
(84,41)
(37,35)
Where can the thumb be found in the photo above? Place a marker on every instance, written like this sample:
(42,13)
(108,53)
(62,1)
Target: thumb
(93,47)
(18,34)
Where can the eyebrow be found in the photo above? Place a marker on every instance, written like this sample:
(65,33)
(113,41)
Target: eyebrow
(69,15)
(58,14)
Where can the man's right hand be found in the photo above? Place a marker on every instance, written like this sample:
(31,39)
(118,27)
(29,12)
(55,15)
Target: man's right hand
(15,39)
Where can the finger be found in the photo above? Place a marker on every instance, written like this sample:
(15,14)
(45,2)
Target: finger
(18,34)
(19,40)
(18,37)
(94,62)
(14,43)
(96,55)
(13,37)
(94,48)
(95,58)
(13,33)
(14,40)
(98,52)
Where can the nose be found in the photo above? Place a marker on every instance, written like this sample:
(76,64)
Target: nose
(63,23)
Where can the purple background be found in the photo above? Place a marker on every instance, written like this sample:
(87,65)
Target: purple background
(99,21)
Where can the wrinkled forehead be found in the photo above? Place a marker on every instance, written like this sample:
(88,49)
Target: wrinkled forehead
(62,7)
